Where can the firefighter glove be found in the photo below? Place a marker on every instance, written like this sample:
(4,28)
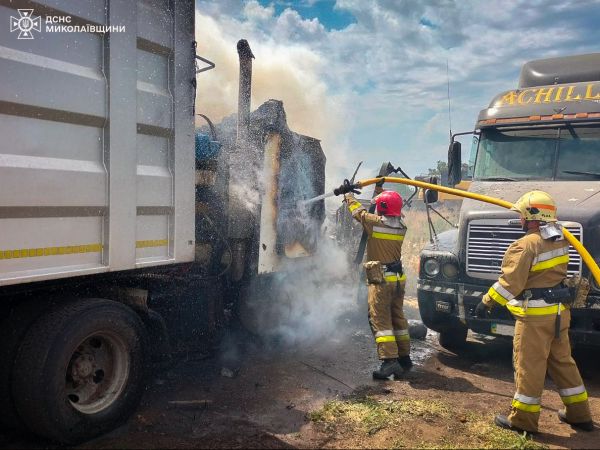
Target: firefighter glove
(482,310)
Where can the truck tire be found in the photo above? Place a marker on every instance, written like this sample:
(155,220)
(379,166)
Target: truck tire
(12,331)
(453,339)
(79,371)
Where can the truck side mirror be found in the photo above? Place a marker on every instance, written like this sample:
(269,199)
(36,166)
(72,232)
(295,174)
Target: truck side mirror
(431,195)
(454,164)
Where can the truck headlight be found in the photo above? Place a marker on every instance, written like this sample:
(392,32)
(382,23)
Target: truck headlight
(449,270)
(431,267)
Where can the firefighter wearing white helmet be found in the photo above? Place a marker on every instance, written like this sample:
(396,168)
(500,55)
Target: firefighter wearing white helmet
(385,279)
(532,287)
(536,205)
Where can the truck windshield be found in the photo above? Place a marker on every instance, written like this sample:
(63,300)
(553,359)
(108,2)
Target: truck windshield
(565,153)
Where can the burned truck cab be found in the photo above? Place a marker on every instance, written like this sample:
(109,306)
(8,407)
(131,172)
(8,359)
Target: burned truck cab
(545,135)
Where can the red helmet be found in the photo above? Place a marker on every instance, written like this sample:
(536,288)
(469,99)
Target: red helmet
(389,203)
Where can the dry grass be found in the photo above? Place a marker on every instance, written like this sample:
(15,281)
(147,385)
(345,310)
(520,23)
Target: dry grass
(412,423)
(487,435)
(369,415)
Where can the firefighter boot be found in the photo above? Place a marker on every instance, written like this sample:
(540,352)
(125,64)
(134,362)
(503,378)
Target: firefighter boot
(503,422)
(585,426)
(388,368)
(405,362)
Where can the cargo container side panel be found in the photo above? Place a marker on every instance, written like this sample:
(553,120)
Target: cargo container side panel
(149,249)
(155,133)
(64,244)
(154,180)
(164,146)
(154,139)
(58,171)
(96,162)
(69,62)
(53,181)
(120,154)
(184,162)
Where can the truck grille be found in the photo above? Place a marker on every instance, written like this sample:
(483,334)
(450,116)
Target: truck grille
(487,241)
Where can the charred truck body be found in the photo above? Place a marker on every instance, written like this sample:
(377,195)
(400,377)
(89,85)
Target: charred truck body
(545,135)
(117,247)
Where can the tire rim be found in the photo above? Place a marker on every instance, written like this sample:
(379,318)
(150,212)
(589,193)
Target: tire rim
(97,373)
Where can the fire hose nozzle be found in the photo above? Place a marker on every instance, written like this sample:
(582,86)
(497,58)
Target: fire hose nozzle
(347,187)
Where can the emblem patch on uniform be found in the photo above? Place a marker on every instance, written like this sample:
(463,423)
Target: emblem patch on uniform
(503,330)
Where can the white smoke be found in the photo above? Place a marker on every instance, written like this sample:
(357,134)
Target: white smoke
(308,301)
(319,297)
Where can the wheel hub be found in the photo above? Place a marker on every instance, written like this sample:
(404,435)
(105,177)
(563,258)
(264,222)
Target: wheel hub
(97,372)
(83,367)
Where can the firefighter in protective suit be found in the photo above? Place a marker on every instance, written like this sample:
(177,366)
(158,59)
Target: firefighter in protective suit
(532,287)
(385,280)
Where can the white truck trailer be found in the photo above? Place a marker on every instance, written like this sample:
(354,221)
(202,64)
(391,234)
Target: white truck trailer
(99,209)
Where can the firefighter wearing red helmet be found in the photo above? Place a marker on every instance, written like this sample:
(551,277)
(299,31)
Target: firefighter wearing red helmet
(385,279)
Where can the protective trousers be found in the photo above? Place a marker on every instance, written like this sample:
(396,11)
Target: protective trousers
(535,351)
(387,320)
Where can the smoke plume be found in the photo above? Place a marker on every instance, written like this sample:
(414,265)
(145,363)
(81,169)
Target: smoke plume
(307,301)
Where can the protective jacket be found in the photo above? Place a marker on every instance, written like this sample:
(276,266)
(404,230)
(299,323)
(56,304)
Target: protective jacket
(530,262)
(530,267)
(385,285)
(386,234)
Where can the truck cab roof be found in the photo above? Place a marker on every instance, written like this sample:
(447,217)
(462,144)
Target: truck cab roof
(554,89)
(563,70)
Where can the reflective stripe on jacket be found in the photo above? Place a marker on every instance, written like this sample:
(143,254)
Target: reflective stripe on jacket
(533,308)
(392,276)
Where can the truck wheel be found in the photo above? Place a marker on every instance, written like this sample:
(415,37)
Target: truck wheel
(79,370)
(12,331)
(453,339)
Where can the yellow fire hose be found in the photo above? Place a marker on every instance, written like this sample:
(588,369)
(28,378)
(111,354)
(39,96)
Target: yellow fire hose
(585,255)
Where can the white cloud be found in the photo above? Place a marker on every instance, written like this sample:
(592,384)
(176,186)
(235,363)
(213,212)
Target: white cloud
(291,27)
(255,12)
(382,80)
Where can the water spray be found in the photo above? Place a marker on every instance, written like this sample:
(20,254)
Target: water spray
(303,203)
(353,187)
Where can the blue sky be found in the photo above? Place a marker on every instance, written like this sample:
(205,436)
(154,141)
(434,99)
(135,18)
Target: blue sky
(325,11)
(369,77)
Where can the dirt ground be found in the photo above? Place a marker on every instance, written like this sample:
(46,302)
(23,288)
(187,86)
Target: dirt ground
(275,399)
